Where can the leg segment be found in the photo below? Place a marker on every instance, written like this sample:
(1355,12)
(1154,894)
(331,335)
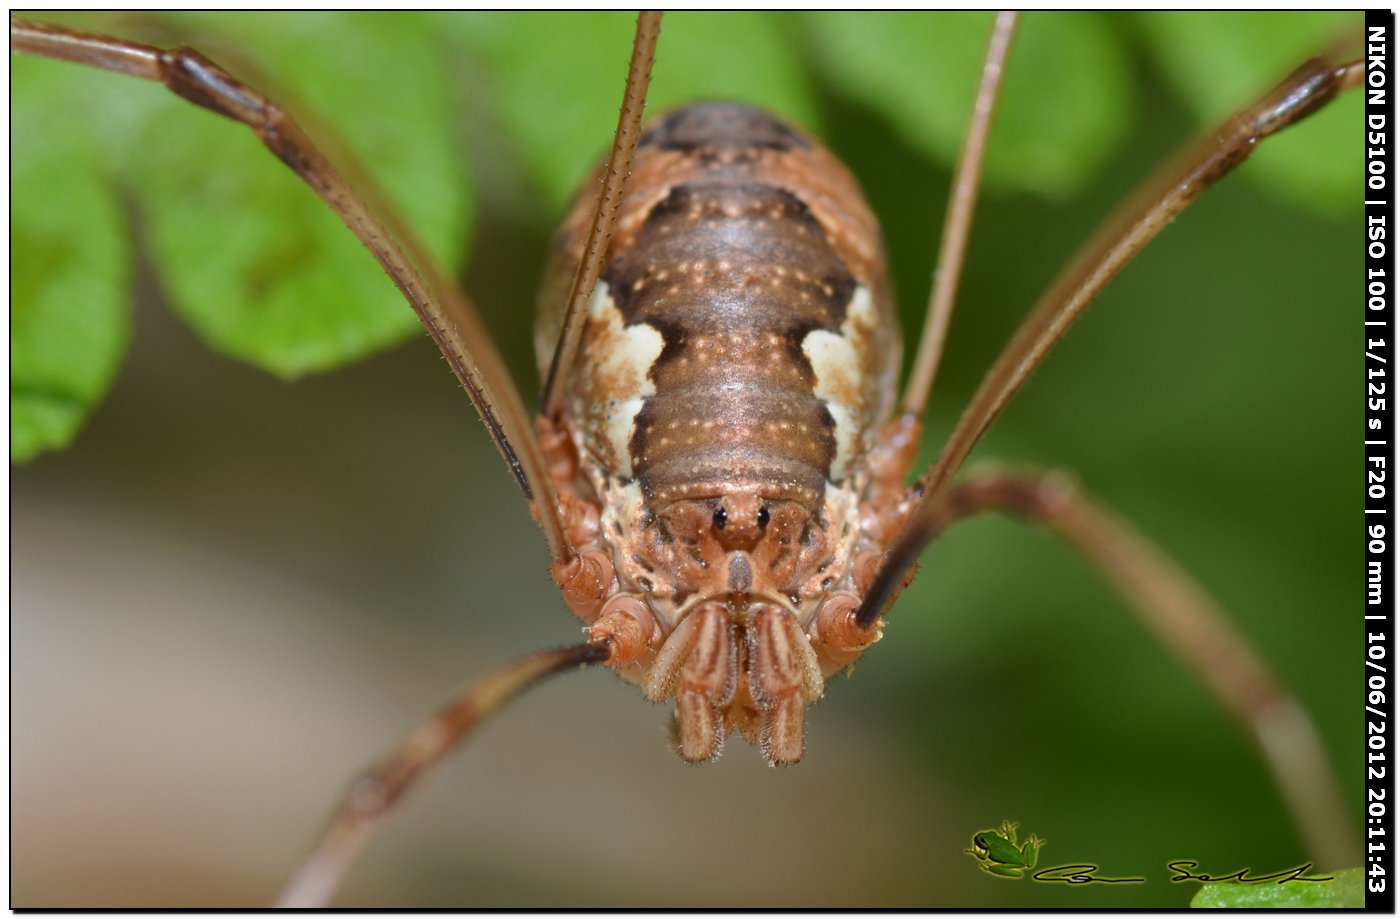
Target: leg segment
(448,314)
(450,318)
(372,795)
(629,129)
(1183,617)
(1308,89)
(957,224)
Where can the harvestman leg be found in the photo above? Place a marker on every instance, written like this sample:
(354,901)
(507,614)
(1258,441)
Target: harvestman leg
(957,223)
(444,309)
(898,441)
(600,230)
(1308,89)
(375,793)
(450,318)
(1172,605)
(456,328)
(588,576)
(1183,617)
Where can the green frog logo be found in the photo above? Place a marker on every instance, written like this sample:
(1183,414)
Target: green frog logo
(999,854)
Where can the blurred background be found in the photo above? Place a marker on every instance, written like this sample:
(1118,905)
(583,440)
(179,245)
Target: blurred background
(233,591)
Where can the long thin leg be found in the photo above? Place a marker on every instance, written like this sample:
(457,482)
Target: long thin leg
(1308,89)
(600,231)
(957,224)
(371,796)
(445,310)
(1185,619)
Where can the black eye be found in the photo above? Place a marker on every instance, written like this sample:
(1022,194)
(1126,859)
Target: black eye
(762,517)
(720,518)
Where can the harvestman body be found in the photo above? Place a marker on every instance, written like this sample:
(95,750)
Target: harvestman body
(716,468)
(737,354)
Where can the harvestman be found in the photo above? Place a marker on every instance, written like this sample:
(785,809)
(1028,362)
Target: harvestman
(776,681)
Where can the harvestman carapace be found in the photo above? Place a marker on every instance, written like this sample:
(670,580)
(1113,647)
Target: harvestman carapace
(723,494)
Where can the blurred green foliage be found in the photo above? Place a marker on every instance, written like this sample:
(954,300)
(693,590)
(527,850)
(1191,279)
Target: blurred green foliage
(69,313)
(1343,891)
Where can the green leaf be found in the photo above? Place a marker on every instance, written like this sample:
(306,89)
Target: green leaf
(1066,100)
(1218,61)
(1344,891)
(245,251)
(70,268)
(251,257)
(555,86)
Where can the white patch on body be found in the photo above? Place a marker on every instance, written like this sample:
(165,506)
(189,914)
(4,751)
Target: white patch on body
(621,358)
(836,364)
